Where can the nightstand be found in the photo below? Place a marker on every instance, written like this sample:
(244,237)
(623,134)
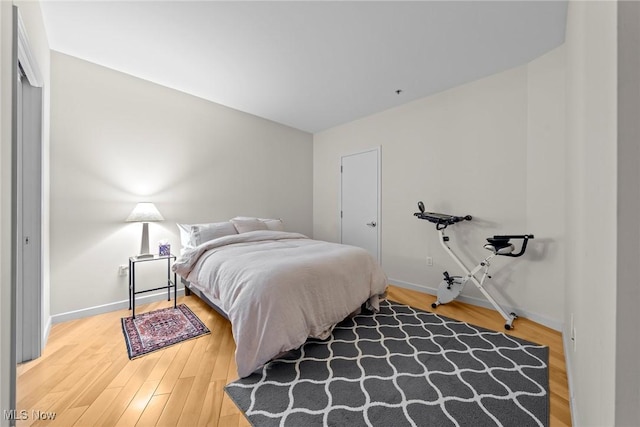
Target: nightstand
(170,283)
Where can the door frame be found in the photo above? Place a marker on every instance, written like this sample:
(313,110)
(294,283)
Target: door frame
(378,151)
(22,55)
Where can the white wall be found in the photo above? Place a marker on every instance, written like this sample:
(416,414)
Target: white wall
(117,140)
(628,250)
(492,149)
(591,209)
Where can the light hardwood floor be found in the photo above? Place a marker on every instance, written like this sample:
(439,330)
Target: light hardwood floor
(86,378)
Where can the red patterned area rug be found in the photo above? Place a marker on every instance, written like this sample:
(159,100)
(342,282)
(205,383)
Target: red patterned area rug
(158,329)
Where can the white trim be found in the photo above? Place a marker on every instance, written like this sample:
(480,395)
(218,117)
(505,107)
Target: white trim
(25,56)
(550,323)
(568,351)
(378,151)
(45,333)
(113,306)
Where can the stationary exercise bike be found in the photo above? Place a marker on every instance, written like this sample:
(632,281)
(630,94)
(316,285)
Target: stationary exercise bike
(452,286)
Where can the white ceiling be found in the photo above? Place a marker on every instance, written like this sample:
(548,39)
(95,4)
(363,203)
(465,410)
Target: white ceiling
(309,65)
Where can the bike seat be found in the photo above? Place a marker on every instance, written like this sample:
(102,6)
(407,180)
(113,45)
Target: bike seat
(499,246)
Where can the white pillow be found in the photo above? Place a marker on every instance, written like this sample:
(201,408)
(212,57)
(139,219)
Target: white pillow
(273,224)
(245,224)
(185,235)
(201,233)
(192,235)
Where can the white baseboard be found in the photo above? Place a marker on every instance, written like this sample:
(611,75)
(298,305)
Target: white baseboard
(45,333)
(568,360)
(550,323)
(106,308)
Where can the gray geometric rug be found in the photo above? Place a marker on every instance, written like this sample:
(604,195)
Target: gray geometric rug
(401,367)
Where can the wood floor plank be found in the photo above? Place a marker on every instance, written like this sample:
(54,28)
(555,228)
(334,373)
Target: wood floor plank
(191,365)
(64,403)
(33,388)
(127,372)
(97,408)
(195,400)
(101,382)
(163,364)
(137,405)
(172,375)
(153,410)
(172,410)
(64,419)
(210,412)
(129,390)
(78,372)
(226,352)
(233,420)
(43,404)
(228,406)
(86,377)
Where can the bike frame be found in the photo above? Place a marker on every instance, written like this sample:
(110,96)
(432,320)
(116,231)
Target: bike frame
(470,275)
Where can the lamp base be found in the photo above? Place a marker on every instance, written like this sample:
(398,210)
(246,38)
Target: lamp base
(144,245)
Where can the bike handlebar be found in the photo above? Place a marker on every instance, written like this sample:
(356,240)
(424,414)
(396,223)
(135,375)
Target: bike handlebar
(442,220)
(514,236)
(505,238)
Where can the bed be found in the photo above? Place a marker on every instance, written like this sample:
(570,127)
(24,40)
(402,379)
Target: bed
(279,288)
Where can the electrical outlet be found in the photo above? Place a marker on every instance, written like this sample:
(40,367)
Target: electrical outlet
(123,269)
(429,261)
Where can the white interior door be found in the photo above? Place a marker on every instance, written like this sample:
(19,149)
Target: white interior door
(29,222)
(360,201)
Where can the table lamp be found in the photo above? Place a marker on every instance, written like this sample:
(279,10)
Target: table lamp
(144,212)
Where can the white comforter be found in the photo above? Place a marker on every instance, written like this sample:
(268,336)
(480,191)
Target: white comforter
(280,288)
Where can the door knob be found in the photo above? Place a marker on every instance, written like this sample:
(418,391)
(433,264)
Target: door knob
(371,224)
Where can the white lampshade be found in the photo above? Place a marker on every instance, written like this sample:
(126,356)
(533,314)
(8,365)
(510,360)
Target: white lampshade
(145,212)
